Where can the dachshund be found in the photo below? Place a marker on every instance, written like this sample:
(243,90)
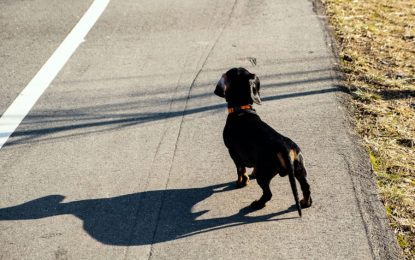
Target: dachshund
(253,143)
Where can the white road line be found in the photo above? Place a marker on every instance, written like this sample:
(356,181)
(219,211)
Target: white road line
(21,106)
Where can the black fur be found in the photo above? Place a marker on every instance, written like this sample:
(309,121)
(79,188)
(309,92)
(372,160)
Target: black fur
(253,143)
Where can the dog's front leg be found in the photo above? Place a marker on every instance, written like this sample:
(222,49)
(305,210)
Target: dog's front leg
(243,178)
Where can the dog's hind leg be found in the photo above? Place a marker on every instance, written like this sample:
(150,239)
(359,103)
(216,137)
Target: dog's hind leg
(301,174)
(266,193)
(287,161)
(243,178)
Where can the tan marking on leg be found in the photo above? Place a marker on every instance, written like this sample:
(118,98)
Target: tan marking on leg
(243,178)
(239,179)
(281,159)
(292,155)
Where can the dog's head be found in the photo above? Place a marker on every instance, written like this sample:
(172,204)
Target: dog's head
(239,87)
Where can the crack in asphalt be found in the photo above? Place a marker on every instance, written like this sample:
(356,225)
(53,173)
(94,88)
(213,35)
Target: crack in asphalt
(182,120)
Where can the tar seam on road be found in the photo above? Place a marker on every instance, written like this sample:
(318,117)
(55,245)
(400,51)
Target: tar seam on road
(22,105)
(127,251)
(182,119)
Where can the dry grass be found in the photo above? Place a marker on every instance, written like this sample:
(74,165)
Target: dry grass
(376,41)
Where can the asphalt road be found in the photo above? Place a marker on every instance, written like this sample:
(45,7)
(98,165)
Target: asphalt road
(122,157)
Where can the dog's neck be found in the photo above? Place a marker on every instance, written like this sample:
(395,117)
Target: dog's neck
(240,108)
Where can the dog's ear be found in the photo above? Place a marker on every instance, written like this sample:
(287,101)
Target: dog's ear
(255,85)
(221,87)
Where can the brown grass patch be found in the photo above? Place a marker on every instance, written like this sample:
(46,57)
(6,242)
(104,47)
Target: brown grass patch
(376,41)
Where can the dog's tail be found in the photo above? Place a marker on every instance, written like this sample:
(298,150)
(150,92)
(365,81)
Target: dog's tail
(291,157)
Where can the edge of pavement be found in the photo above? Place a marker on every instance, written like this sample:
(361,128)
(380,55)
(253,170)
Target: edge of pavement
(380,235)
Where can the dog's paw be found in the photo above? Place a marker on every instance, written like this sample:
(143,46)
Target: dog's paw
(241,184)
(257,204)
(242,181)
(306,203)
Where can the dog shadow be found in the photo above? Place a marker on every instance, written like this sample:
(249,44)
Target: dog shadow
(141,218)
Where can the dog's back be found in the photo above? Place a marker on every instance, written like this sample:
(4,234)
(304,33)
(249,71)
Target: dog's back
(253,139)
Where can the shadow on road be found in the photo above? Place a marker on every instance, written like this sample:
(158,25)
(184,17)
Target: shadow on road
(106,122)
(141,218)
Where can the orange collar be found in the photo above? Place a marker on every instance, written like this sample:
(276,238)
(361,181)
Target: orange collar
(235,109)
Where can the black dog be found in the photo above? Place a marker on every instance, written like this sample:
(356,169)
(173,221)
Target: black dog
(253,143)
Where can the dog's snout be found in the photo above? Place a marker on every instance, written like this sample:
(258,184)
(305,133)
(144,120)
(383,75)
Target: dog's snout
(220,87)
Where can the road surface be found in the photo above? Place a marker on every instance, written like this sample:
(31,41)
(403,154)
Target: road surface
(122,156)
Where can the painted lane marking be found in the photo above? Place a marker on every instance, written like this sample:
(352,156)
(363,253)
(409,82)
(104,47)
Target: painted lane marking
(21,106)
